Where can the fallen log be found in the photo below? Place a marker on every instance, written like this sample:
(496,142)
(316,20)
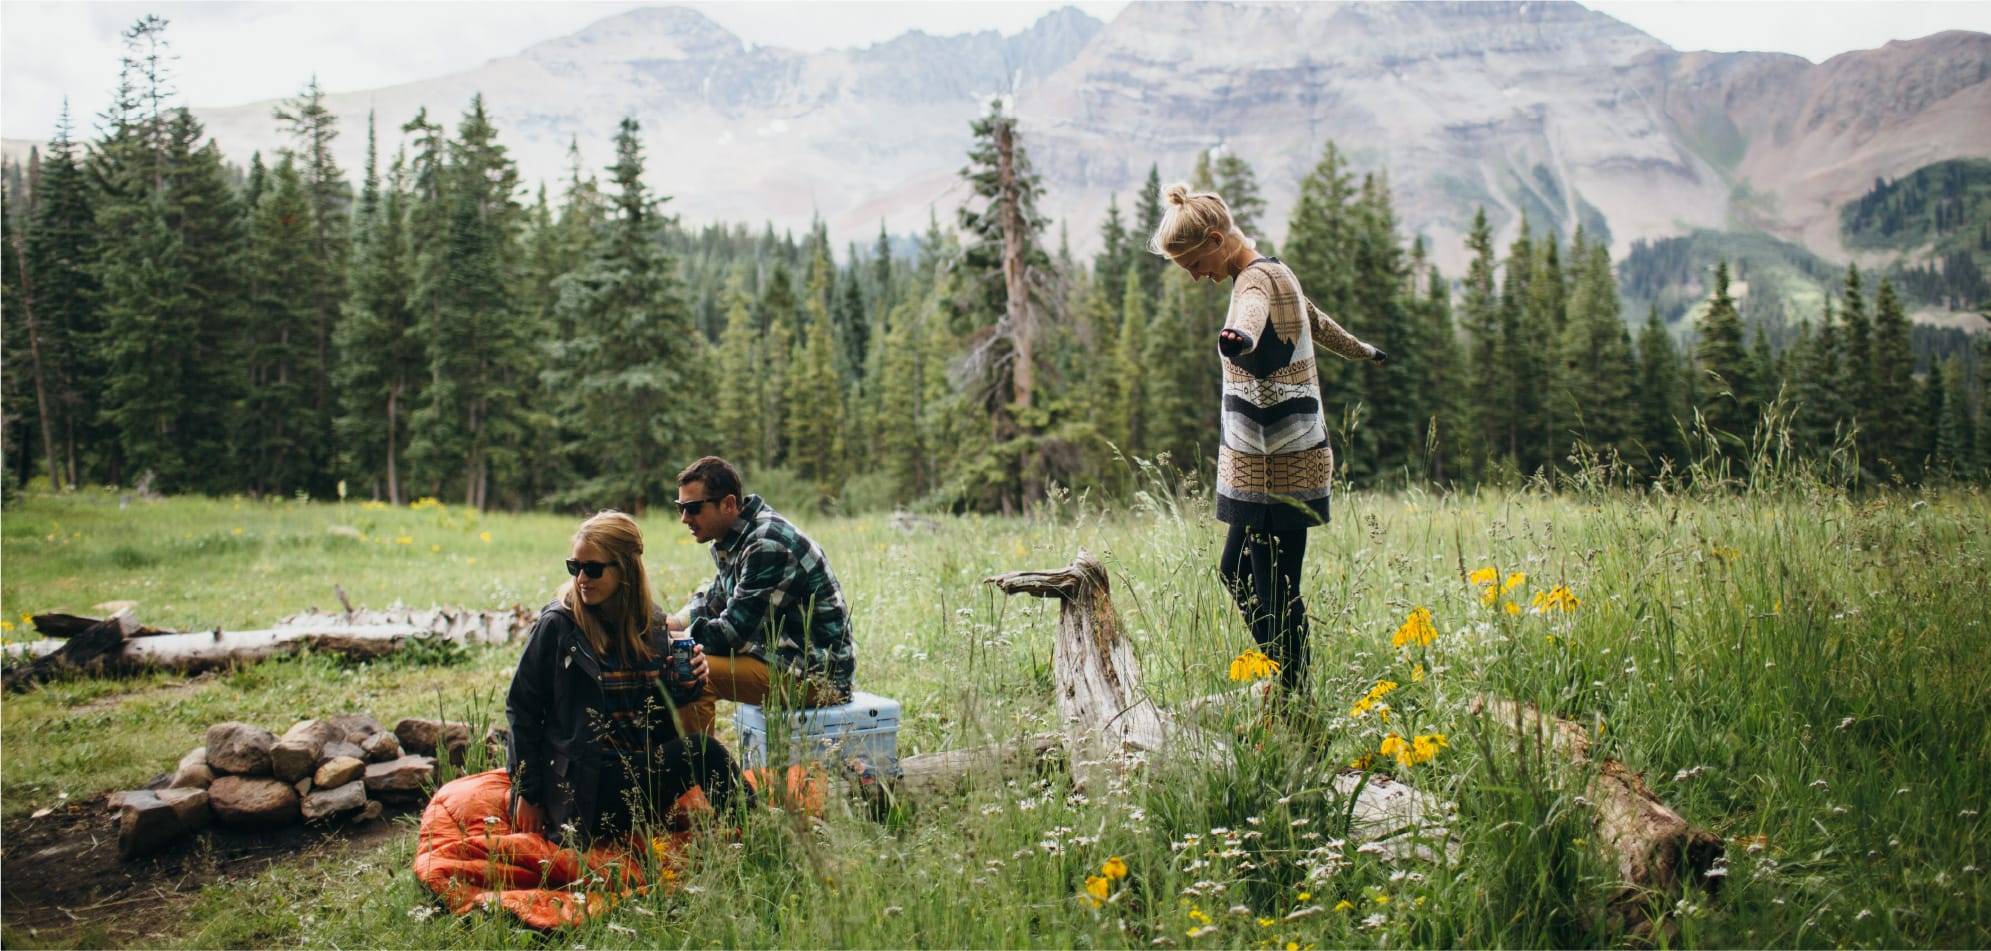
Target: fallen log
(93,648)
(1108,722)
(358,634)
(1657,851)
(931,774)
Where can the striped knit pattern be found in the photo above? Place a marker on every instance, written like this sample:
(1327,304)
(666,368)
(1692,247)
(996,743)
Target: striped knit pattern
(1275,469)
(630,697)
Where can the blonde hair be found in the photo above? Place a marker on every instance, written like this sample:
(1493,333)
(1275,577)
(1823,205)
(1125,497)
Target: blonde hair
(631,607)
(1188,218)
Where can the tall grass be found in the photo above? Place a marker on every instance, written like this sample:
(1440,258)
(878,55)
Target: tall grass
(1797,670)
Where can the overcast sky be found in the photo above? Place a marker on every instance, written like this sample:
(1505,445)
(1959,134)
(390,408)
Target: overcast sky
(236,52)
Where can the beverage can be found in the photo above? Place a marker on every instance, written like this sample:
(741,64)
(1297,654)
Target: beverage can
(683,686)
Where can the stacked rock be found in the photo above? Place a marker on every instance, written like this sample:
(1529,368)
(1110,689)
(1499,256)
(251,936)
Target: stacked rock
(318,770)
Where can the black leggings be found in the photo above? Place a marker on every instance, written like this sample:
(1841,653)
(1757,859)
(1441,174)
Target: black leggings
(632,787)
(1262,570)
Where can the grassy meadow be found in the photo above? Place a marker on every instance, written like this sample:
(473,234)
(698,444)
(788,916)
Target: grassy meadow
(1803,674)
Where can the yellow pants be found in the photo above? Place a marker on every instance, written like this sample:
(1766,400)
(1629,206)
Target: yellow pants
(743,680)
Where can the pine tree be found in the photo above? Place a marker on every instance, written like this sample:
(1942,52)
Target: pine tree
(1448,436)
(1521,366)
(884,281)
(1597,372)
(1895,430)
(1321,251)
(1938,454)
(1376,309)
(275,442)
(1662,402)
(1239,185)
(634,351)
(378,365)
(1147,220)
(58,312)
(814,394)
(1856,363)
(739,399)
(1725,366)
(322,275)
(1818,412)
(203,212)
(1479,318)
(471,427)
(1109,266)
(853,329)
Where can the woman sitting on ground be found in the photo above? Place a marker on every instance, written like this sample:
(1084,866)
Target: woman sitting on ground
(595,745)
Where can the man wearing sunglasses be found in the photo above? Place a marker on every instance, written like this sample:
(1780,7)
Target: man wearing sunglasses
(773,621)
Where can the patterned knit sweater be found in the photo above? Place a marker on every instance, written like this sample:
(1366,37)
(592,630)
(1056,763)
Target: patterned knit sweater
(1275,470)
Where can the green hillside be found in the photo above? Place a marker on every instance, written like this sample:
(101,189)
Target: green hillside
(1938,221)
(1780,283)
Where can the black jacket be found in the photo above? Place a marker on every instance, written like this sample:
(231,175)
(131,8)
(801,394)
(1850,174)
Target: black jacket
(555,755)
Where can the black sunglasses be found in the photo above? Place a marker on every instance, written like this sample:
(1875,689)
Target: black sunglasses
(593,568)
(691,506)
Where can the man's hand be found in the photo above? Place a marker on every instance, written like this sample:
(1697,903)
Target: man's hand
(528,817)
(673,623)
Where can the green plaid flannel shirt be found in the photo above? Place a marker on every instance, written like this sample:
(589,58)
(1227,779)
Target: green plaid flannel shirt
(774,586)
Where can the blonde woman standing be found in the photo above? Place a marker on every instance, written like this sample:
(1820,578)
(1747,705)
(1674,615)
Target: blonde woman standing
(1274,469)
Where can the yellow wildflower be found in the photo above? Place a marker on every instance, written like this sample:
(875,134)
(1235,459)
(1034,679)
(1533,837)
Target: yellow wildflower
(235,531)
(435,549)
(1382,899)
(1393,745)
(1196,914)
(484,537)
(1417,674)
(1375,694)
(1096,886)
(1252,665)
(1306,896)
(1416,629)
(1485,575)
(1115,867)
(404,539)
(1292,946)
(1344,905)
(1558,599)
(6,625)
(1414,751)
(1725,553)
(1511,608)
(1266,922)
(1512,581)
(1201,932)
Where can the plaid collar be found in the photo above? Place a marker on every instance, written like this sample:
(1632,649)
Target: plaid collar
(730,543)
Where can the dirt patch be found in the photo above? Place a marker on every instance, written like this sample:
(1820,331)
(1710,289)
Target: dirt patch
(61,880)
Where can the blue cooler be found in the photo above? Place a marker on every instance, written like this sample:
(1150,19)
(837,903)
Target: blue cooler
(865,730)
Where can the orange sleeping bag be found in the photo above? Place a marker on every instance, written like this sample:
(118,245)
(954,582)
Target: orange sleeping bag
(469,855)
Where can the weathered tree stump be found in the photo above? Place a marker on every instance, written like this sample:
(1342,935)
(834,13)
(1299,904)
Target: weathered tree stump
(1106,716)
(1103,713)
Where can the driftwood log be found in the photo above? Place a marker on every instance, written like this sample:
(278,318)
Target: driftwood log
(361,634)
(1657,851)
(1106,717)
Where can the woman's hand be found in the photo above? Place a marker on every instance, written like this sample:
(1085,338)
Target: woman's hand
(528,817)
(1230,341)
(701,672)
(1379,357)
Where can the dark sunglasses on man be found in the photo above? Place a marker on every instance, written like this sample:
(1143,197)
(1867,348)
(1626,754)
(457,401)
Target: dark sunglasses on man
(593,568)
(692,506)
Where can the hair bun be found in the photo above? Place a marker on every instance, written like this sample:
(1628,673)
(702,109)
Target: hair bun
(1176,194)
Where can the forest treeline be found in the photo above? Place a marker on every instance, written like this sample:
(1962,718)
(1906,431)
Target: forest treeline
(439,329)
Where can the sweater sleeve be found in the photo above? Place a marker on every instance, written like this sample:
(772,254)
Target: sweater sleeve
(1331,335)
(1251,305)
